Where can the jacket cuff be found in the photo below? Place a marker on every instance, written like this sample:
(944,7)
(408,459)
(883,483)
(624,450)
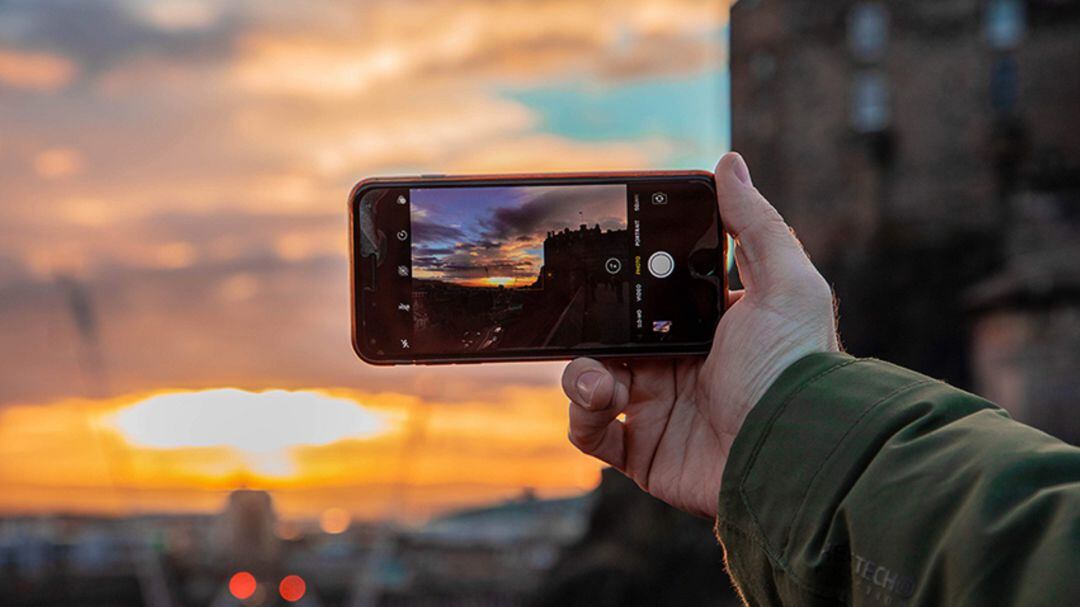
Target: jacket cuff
(799,447)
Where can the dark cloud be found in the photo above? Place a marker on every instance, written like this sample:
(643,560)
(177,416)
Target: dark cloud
(465,267)
(501,265)
(427,262)
(102,33)
(187,328)
(242,235)
(480,245)
(500,239)
(426,231)
(555,209)
(524,220)
(11,270)
(424,251)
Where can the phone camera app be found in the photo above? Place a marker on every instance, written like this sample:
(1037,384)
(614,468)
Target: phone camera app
(520,267)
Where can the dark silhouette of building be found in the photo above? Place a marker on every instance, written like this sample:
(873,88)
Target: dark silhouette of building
(928,154)
(573,258)
(245,531)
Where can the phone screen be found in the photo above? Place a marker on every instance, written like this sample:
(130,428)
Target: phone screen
(530,271)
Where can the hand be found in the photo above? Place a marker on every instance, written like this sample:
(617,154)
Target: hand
(682,415)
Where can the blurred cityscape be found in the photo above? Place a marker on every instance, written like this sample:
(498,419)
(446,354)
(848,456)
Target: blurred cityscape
(246,555)
(612,546)
(927,153)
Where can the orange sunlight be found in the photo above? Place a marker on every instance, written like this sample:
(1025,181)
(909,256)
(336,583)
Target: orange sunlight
(261,427)
(179,451)
(497,281)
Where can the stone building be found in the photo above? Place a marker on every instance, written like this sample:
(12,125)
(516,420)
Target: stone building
(574,258)
(244,532)
(928,153)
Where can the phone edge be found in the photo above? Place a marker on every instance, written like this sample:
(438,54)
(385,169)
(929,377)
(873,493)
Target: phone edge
(399,180)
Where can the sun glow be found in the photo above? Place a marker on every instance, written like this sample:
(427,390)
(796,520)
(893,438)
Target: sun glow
(262,427)
(314,449)
(495,281)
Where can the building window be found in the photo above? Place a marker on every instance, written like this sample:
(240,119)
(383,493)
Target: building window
(868,31)
(871,110)
(1005,23)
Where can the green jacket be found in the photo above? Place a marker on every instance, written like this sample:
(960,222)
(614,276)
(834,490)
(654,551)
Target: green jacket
(857,482)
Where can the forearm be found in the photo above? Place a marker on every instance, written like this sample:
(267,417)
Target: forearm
(861,482)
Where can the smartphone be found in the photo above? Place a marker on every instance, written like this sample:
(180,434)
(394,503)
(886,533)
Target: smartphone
(535,267)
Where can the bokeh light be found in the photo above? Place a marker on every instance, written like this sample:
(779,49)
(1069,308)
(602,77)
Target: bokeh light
(334,521)
(292,588)
(242,585)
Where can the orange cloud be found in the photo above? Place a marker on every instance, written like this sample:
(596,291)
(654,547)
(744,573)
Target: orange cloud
(35,71)
(55,163)
(303,108)
(408,44)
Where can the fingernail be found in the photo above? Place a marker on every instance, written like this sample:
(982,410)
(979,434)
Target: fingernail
(586,385)
(742,172)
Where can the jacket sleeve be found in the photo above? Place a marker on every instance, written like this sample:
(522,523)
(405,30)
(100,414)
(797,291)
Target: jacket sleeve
(857,482)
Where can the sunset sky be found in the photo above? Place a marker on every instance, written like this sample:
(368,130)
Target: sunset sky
(173,261)
(495,235)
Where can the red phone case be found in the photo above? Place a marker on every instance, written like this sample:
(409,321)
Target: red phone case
(525,179)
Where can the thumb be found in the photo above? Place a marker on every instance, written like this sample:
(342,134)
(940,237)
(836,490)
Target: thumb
(589,383)
(770,259)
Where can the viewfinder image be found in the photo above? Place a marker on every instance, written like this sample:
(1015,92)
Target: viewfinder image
(501,268)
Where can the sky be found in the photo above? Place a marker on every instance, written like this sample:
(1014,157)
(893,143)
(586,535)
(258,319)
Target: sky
(494,236)
(173,259)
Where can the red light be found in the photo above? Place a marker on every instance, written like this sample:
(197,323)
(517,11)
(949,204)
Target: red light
(292,588)
(242,585)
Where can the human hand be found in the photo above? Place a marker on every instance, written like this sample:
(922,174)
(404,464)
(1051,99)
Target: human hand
(682,415)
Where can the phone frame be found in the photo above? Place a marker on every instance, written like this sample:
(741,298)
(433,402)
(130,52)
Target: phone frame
(522,179)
